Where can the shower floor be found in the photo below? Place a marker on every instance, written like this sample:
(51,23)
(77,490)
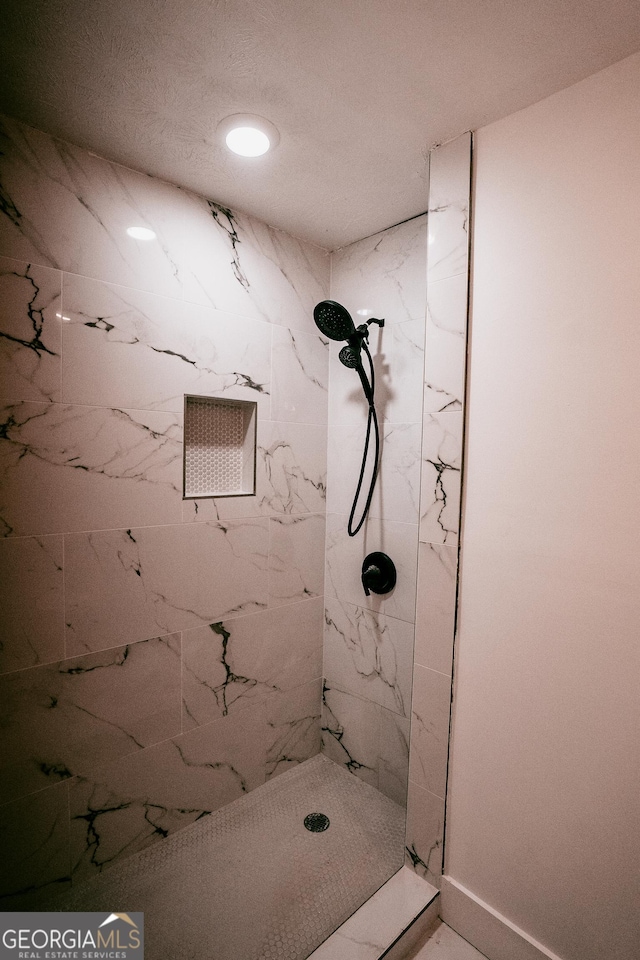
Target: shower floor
(250,882)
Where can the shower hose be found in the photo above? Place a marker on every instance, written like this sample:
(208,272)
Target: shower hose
(372,419)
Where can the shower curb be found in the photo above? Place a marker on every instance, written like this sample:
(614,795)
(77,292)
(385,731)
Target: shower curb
(389,924)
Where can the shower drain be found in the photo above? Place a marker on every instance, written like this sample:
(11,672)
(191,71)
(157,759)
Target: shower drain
(316,822)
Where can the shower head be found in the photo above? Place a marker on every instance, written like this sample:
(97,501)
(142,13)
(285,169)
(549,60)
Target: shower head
(350,357)
(333,320)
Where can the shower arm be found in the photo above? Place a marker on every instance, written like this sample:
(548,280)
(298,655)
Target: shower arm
(359,339)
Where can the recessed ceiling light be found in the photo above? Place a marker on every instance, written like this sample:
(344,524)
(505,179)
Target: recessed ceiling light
(248,135)
(141,233)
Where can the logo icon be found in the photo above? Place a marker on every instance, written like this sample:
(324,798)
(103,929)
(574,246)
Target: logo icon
(74,936)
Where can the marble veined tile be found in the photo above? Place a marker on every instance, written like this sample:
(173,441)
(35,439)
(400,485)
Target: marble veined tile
(69,717)
(293,727)
(369,655)
(399,366)
(436,606)
(393,760)
(347,402)
(351,733)
(126,347)
(234,262)
(293,467)
(291,476)
(441,464)
(30,331)
(446,338)
(430,729)
(425,831)
(300,375)
(31,602)
(398,358)
(296,558)
(230,664)
(34,837)
(445,944)
(345,554)
(65,468)
(449,185)
(69,209)
(144,582)
(137,800)
(372,929)
(369,740)
(384,275)
(397,488)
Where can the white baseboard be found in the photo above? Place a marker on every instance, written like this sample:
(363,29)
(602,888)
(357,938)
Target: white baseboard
(489,932)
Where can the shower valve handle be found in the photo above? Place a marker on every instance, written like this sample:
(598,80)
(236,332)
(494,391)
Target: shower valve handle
(378,573)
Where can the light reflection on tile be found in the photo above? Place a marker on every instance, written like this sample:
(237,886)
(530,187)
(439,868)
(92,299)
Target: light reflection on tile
(70,209)
(125,347)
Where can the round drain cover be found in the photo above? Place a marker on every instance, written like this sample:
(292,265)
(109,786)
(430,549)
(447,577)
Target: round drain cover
(316,822)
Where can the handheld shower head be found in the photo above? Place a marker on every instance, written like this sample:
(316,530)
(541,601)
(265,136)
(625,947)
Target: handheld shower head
(350,357)
(333,320)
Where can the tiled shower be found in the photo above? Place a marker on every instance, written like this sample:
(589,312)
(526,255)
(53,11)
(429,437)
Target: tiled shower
(162,656)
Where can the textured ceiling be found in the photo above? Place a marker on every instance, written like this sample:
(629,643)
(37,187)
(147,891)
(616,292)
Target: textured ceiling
(359,89)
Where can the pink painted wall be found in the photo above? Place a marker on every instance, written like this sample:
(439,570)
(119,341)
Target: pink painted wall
(543,817)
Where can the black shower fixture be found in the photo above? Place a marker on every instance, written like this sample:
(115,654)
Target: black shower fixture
(378,573)
(335,322)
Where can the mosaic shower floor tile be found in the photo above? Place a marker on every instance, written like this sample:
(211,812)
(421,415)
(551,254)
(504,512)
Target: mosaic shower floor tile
(250,882)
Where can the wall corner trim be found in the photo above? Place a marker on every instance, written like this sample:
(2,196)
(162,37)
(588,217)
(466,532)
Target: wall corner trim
(491,933)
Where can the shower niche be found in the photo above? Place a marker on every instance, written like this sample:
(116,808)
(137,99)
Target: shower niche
(219,448)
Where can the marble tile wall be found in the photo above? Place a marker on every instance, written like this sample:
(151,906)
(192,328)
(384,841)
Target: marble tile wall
(444,378)
(368,641)
(159,657)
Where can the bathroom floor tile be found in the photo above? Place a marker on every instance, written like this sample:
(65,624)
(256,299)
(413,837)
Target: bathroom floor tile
(445,944)
(250,882)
